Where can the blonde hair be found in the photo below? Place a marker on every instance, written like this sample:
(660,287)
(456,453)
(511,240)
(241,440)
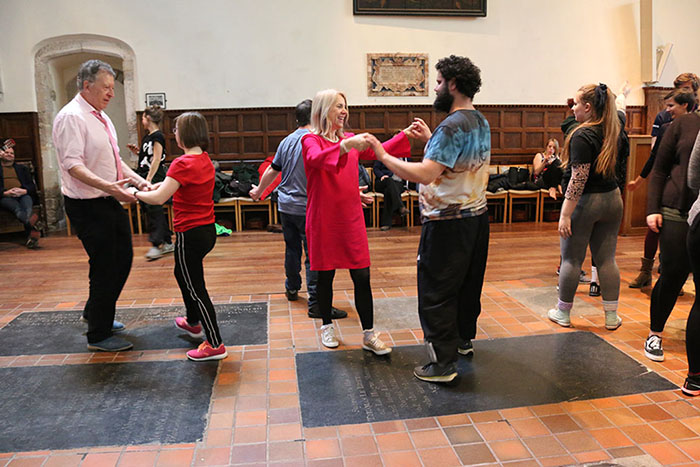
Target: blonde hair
(556,146)
(604,113)
(321,105)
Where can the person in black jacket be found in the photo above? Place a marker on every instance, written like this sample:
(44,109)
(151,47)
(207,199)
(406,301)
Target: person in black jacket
(18,193)
(391,186)
(678,102)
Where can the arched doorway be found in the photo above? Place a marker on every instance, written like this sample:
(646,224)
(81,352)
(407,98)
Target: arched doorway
(56,63)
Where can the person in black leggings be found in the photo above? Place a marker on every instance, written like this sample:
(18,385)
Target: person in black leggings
(692,329)
(668,201)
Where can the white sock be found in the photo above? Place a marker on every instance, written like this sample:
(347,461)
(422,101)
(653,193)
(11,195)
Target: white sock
(368,332)
(594,274)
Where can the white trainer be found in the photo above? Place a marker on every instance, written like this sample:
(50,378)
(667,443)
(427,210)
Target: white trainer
(373,343)
(154,253)
(328,336)
(166,248)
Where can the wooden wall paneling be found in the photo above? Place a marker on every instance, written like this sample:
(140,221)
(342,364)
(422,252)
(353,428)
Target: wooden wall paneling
(654,100)
(634,214)
(518,132)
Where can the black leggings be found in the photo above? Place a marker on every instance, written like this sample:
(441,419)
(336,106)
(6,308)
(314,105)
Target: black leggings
(675,268)
(191,247)
(692,329)
(363,295)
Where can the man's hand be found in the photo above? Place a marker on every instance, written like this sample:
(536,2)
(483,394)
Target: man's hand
(254,193)
(655,221)
(376,146)
(418,130)
(365,198)
(119,191)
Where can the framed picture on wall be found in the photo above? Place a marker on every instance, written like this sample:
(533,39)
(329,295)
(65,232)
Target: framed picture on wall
(155,98)
(420,7)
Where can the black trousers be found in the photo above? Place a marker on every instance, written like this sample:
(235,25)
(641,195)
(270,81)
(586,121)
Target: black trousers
(362,293)
(158,229)
(451,264)
(391,189)
(102,226)
(675,268)
(692,329)
(190,249)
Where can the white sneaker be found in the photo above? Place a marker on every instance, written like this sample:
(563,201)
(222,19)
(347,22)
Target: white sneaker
(154,253)
(328,336)
(166,248)
(373,343)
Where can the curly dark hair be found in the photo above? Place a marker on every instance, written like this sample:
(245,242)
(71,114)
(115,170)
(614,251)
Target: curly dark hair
(467,76)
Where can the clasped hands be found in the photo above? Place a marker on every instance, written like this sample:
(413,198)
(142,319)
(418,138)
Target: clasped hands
(126,194)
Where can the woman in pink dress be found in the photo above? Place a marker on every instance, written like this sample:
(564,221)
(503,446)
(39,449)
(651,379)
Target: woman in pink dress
(335,223)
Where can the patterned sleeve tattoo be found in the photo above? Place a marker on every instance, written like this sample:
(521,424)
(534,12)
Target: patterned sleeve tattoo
(579,177)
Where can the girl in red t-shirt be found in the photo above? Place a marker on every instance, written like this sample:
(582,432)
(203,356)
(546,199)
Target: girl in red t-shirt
(190,181)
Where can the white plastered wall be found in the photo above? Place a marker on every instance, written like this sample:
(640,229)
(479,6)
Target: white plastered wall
(249,53)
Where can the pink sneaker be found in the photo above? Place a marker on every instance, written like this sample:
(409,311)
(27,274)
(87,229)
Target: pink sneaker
(206,352)
(194,331)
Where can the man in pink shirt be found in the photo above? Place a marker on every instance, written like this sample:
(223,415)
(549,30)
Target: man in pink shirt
(93,176)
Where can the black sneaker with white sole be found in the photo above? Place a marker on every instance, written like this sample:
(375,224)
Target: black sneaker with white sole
(691,387)
(653,349)
(466,348)
(435,373)
(336,313)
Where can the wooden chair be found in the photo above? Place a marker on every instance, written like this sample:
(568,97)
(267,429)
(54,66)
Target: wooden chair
(412,204)
(379,200)
(228,205)
(545,200)
(499,201)
(248,205)
(523,197)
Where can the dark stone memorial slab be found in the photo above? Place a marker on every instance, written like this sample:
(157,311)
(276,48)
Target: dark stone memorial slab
(355,386)
(73,406)
(52,332)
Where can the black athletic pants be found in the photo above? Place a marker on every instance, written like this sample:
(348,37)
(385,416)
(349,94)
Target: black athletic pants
(451,264)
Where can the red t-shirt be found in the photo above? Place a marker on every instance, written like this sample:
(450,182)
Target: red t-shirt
(192,202)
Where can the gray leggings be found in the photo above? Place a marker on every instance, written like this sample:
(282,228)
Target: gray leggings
(595,221)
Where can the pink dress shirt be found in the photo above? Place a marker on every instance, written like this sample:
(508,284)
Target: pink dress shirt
(80,138)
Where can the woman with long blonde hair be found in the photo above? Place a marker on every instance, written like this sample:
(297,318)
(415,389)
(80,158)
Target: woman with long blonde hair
(592,209)
(335,224)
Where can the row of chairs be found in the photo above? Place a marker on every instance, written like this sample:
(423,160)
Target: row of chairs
(502,203)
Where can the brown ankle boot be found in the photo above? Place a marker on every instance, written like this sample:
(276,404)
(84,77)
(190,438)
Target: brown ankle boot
(644,277)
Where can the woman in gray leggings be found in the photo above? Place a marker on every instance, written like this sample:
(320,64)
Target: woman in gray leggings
(592,209)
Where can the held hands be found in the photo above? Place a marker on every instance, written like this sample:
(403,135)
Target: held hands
(655,222)
(15,192)
(377,147)
(418,130)
(120,192)
(357,142)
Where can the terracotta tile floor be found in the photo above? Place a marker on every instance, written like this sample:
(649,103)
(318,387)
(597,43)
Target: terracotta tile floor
(255,419)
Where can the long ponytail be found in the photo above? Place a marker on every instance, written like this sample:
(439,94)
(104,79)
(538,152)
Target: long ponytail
(604,112)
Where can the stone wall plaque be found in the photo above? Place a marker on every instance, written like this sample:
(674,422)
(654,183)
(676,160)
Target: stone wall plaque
(397,74)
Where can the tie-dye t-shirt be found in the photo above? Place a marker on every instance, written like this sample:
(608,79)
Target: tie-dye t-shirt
(462,143)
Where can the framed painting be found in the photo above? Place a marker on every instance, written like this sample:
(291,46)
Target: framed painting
(420,7)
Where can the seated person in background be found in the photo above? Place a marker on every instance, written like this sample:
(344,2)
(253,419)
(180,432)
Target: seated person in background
(546,168)
(391,186)
(17,192)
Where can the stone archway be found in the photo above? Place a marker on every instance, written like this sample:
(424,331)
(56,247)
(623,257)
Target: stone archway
(46,52)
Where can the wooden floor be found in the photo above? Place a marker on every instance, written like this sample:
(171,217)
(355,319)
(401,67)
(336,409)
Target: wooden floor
(258,383)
